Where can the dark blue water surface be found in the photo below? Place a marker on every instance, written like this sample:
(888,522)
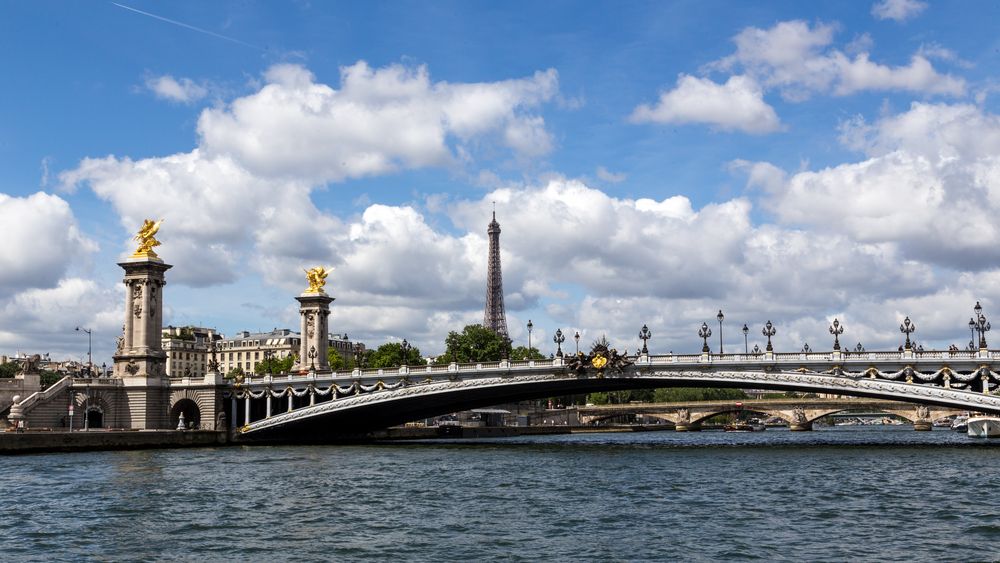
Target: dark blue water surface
(835,494)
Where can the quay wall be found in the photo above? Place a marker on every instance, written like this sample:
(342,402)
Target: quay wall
(36,442)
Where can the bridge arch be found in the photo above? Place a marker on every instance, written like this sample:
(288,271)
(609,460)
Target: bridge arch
(191,411)
(393,403)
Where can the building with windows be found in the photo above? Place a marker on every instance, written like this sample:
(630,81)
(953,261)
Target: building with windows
(247,349)
(187,349)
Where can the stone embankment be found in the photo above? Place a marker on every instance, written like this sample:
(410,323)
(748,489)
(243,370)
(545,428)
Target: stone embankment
(41,441)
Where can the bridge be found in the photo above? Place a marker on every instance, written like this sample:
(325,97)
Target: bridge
(798,413)
(316,403)
(315,407)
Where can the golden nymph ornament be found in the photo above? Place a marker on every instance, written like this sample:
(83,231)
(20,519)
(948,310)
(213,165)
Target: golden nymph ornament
(317,279)
(147,239)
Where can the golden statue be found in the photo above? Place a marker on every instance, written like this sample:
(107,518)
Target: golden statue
(147,239)
(317,279)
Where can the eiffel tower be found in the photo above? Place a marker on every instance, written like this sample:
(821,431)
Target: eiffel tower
(495,318)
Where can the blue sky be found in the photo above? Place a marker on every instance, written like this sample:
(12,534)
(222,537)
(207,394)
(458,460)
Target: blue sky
(652,163)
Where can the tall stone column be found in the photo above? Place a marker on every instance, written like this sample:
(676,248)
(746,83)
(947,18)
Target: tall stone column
(314,310)
(140,360)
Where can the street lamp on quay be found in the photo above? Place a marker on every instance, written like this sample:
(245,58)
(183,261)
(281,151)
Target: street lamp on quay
(576,337)
(90,358)
(720,316)
(530,326)
(746,345)
(558,338)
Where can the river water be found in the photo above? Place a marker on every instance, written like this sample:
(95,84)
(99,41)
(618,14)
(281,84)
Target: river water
(834,494)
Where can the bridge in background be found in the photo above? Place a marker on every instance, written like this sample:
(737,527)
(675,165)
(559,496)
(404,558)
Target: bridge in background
(798,413)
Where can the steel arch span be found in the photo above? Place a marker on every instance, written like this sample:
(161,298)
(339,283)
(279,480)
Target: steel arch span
(380,406)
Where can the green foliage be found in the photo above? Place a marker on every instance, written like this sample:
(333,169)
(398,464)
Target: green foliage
(474,344)
(9,369)
(621,397)
(337,362)
(686,394)
(667,395)
(49,378)
(278,365)
(522,353)
(234,372)
(390,355)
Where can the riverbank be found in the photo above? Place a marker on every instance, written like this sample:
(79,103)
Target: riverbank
(450,432)
(37,442)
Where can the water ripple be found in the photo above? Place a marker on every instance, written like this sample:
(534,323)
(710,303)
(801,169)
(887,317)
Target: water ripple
(828,495)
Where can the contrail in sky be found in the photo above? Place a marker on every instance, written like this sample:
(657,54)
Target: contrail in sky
(191,27)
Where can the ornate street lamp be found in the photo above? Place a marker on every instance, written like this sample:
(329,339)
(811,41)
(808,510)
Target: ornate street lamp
(720,316)
(359,355)
(530,326)
(90,358)
(268,354)
(312,357)
(972,332)
(746,345)
(907,328)
(836,330)
(558,339)
(806,348)
(576,337)
(859,348)
(405,347)
(769,331)
(704,332)
(645,335)
(756,349)
(982,326)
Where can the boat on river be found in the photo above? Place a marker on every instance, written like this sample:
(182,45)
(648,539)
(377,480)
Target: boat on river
(961,423)
(984,426)
(752,425)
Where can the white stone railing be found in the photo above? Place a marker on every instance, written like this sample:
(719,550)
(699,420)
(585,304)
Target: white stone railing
(57,387)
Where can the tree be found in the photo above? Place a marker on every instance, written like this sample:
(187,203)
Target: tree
(390,355)
(277,365)
(234,372)
(686,394)
(475,344)
(9,369)
(336,361)
(522,353)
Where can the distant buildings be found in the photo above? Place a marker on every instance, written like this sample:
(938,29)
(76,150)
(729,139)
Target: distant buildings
(187,349)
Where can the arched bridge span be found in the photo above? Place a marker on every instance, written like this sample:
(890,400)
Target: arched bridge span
(318,408)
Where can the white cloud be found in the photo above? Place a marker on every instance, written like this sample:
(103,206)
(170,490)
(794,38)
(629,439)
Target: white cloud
(184,91)
(797,59)
(930,186)
(41,241)
(244,194)
(609,176)
(736,105)
(379,121)
(898,10)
